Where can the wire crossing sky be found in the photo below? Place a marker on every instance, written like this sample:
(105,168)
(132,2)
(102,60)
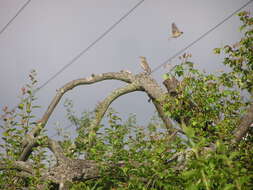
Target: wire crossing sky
(191,44)
(91,45)
(71,62)
(201,37)
(47,35)
(15,16)
(185,48)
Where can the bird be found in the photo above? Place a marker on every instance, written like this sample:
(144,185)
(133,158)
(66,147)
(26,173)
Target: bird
(144,65)
(175,31)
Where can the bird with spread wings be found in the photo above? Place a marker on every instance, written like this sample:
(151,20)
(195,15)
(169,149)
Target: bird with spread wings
(175,31)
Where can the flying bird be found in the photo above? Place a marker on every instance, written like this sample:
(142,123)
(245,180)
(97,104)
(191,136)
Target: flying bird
(144,65)
(175,31)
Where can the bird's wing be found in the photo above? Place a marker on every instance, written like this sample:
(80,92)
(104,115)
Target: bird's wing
(174,28)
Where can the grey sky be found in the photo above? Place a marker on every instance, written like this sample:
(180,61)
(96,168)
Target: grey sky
(49,33)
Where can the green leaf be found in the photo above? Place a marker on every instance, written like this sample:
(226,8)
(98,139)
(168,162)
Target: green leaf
(190,64)
(5,134)
(216,50)
(179,70)
(21,106)
(194,123)
(229,186)
(166,76)
(188,131)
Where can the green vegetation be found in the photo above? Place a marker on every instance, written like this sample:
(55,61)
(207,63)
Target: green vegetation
(201,152)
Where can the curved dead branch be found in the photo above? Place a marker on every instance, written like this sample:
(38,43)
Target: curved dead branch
(28,148)
(122,76)
(57,150)
(28,141)
(139,82)
(66,169)
(244,125)
(104,105)
(17,165)
(70,169)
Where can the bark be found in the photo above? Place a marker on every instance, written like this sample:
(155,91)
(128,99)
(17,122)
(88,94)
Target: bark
(68,170)
(171,85)
(244,125)
(63,173)
(122,76)
(139,82)
(25,167)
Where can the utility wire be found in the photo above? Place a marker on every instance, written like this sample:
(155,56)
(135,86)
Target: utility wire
(199,38)
(188,46)
(91,45)
(71,62)
(115,24)
(15,16)
(12,20)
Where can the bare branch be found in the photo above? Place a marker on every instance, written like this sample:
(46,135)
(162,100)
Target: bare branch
(139,82)
(30,142)
(156,93)
(123,76)
(17,165)
(165,119)
(57,150)
(244,125)
(103,106)
(72,170)
(28,149)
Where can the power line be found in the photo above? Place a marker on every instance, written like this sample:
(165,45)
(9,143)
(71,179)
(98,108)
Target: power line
(91,45)
(15,16)
(165,62)
(199,38)
(111,28)
(83,51)
(11,20)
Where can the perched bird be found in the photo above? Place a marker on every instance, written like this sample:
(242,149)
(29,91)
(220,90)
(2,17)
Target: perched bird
(175,31)
(144,65)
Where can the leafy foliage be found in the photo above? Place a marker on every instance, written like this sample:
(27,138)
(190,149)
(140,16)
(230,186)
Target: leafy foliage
(205,109)
(16,124)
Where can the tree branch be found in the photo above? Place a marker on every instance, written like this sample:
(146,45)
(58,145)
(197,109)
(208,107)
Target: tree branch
(17,165)
(123,76)
(30,142)
(244,125)
(103,106)
(57,150)
(140,82)
(156,93)
(28,149)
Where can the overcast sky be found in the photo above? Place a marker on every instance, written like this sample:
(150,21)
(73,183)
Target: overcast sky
(49,33)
